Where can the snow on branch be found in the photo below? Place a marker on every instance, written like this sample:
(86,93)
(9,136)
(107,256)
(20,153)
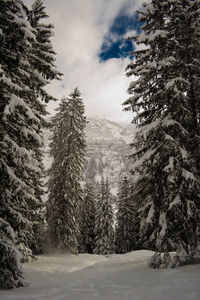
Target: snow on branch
(150,214)
(16,101)
(12,176)
(189,176)
(172,82)
(143,38)
(176,201)
(163,224)
(148,128)
(144,158)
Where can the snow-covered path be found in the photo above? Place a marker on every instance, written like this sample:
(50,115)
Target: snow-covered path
(110,280)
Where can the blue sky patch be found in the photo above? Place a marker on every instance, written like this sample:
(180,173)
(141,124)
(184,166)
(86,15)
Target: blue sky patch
(115,44)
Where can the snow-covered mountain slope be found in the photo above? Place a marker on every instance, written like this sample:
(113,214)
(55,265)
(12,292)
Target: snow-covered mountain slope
(107,150)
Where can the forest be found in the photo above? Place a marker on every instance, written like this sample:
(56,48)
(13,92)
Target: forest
(158,202)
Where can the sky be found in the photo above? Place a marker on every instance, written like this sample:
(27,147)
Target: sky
(92,52)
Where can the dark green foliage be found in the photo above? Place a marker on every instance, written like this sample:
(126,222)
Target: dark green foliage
(42,51)
(10,265)
(43,65)
(104,232)
(126,228)
(21,122)
(88,219)
(166,105)
(66,173)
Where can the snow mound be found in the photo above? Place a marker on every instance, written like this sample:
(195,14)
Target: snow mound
(70,263)
(134,257)
(63,262)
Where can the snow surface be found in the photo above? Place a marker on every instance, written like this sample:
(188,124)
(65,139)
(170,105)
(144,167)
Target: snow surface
(113,277)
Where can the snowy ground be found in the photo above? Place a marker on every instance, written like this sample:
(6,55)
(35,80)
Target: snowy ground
(116,277)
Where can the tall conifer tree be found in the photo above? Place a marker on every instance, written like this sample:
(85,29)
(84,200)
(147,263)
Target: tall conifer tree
(126,228)
(167,187)
(43,65)
(16,157)
(88,219)
(66,173)
(104,232)
(42,50)
(20,137)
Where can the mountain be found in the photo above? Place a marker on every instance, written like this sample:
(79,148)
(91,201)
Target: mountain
(107,150)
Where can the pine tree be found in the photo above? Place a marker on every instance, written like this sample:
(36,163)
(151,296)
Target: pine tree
(104,232)
(66,173)
(16,160)
(126,228)
(167,186)
(186,17)
(10,259)
(88,219)
(42,50)
(20,136)
(44,70)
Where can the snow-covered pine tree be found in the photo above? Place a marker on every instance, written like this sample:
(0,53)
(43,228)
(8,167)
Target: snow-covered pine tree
(16,161)
(20,130)
(42,50)
(104,232)
(11,274)
(167,187)
(186,16)
(87,235)
(66,173)
(126,228)
(42,63)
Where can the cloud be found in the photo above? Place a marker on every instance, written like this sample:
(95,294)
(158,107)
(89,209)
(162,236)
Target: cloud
(80,29)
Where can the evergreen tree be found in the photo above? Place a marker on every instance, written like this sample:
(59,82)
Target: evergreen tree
(126,229)
(104,232)
(10,265)
(186,18)
(88,219)
(66,173)
(16,162)
(42,50)
(20,136)
(44,70)
(167,187)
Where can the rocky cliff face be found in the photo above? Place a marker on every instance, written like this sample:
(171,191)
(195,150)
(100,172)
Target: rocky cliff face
(107,150)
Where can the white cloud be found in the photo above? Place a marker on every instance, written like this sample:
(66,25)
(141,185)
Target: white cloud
(80,27)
